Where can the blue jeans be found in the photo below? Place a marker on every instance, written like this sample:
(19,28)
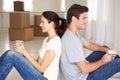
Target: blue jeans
(12,59)
(107,70)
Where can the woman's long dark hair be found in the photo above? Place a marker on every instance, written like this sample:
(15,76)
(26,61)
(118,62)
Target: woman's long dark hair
(60,23)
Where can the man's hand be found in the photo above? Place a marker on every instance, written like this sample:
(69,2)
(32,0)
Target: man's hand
(106,58)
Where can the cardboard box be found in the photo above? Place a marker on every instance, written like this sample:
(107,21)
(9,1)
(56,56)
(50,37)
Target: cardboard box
(26,34)
(19,20)
(37,20)
(18,6)
(38,31)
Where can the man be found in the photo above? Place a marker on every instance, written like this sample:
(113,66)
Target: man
(97,66)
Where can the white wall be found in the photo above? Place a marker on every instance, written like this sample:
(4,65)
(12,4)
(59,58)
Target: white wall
(112,29)
(0,20)
(68,3)
(110,24)
(0,5)
(43,5)
(4,21)
(110,32)
(117,25)
(55,5)
(0,13)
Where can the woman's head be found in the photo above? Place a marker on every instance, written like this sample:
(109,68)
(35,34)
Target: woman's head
(50,20)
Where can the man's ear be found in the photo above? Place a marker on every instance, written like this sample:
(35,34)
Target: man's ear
(74,19)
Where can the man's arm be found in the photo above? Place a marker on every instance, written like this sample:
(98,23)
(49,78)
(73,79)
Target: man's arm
(94,46)
(86,67)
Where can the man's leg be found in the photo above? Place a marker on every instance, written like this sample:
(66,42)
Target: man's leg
(95,56)
(106,71)
(13,59)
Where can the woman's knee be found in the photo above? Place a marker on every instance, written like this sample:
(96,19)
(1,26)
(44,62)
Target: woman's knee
(11,53)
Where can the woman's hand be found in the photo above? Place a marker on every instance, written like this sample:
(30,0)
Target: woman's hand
(20,48)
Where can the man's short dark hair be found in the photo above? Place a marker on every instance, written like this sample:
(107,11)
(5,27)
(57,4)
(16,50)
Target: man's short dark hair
(75,10)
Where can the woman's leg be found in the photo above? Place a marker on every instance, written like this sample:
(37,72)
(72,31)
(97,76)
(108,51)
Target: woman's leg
(13,59)
(5,66)
(106,71)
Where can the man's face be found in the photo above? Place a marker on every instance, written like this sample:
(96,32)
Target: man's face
(82,21)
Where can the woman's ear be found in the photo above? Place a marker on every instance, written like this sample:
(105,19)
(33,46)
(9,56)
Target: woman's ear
(52,24)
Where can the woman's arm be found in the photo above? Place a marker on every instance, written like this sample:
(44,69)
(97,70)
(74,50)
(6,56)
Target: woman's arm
(47,60)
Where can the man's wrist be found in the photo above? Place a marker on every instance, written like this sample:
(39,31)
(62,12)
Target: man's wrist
(106,49)
(102,62)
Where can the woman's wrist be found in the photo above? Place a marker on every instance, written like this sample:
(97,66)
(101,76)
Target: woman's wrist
(25,53)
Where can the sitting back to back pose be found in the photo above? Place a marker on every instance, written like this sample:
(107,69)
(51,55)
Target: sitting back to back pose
(25,64)
(73,65)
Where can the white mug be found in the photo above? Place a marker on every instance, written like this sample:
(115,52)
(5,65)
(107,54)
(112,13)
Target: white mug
(19,42)
(112,53)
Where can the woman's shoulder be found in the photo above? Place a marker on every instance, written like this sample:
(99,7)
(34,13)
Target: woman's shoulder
(54,44)
(55,39)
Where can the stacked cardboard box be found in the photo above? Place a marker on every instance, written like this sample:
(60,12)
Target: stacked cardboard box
(21,34)
(37,28)
(18,6)
(19,20)
(20,27)
(37,20)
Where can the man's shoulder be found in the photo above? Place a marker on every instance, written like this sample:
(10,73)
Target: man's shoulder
(67,37)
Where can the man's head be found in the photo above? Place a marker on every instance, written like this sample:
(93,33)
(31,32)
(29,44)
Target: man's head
(77,15)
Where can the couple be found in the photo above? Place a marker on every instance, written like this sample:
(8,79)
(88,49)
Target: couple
(73,66)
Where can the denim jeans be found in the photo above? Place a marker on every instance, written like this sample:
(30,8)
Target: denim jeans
(12,59)
(107,70)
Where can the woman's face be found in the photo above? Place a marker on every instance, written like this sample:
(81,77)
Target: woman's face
(45,25)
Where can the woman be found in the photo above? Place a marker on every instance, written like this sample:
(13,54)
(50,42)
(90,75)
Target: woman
(48,64)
